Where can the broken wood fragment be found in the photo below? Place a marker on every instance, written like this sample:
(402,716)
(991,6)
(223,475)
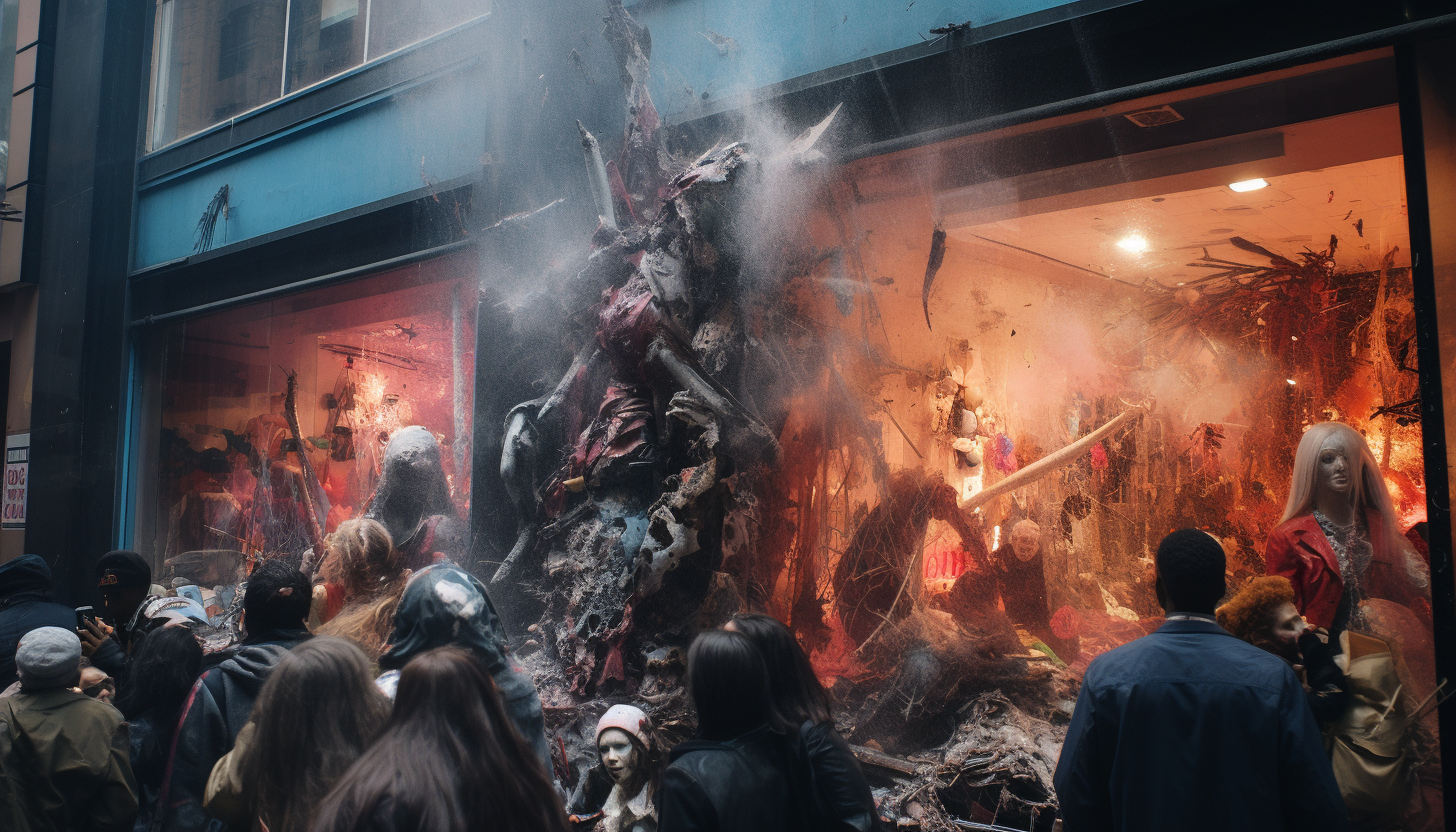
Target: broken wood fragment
(596,173)
(871,757)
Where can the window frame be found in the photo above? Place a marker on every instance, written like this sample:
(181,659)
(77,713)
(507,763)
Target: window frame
(374,75)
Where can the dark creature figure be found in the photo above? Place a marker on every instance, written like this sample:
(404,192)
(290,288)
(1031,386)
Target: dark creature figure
(874,576)
(413,501)
(616,474)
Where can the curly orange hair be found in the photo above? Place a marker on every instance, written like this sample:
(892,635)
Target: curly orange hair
(1252,609)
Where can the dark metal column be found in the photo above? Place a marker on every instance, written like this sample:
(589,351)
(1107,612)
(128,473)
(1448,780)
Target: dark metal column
(1427,74)
(78,244)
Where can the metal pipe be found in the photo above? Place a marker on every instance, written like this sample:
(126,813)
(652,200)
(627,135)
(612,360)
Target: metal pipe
(596,173)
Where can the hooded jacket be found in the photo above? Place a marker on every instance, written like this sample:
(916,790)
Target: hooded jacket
(63,764)
(216,710)
(26,604)
(445,605)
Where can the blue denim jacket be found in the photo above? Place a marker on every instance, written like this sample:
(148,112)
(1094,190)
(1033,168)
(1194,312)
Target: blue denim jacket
(1192,729)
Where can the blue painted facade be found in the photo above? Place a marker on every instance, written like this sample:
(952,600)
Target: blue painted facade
(706,50)
(388,144)
(399,140)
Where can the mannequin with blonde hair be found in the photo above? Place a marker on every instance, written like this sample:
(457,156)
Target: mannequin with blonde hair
(373,576)
(1339,541)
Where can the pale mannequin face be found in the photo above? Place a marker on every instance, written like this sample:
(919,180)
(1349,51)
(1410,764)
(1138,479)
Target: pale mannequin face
(1333,469)
(1025,542)
(619,755)
(1288,624)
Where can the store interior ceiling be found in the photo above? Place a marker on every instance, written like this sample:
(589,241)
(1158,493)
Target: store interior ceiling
(1362,204)
(1338,176)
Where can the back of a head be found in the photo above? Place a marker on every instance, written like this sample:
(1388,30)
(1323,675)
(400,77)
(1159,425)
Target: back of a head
(798,696)
(729,684)
(27,573)
(367,557)
(1191,566)
(449,760)
(277,598)
(445,606)
(47,658)
(1252,608)
(167,662)
(318,711)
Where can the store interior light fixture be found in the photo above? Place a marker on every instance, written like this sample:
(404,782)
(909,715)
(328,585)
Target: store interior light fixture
(1133,244)
(1248,185)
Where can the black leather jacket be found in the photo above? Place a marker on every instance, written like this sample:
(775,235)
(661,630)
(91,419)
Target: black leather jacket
(844,794)
(754,783)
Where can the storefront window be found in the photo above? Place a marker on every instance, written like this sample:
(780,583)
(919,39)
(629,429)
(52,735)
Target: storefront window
(398,23)
(1090,349)
(214,60)
(273,420)
(325,37)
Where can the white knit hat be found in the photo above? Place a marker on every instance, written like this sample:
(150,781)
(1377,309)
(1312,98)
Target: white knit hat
(626,718)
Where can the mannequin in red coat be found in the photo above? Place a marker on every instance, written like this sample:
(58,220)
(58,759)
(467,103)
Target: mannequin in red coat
(1339,543)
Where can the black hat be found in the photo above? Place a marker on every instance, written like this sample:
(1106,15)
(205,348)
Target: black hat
(123,569)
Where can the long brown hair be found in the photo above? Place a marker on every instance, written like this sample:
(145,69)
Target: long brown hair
(449,761)
(315,715)
(373,578)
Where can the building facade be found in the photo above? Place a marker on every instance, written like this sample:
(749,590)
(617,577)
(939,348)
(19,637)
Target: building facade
(260,236)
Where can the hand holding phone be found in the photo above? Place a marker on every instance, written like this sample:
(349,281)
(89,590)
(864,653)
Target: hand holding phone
(93,633)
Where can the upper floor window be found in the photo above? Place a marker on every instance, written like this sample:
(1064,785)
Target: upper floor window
(215,59)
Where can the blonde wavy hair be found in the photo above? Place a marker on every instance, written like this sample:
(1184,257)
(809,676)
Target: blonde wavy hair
(372,573)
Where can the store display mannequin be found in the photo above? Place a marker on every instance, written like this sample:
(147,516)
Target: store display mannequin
(1339,543)
(413,500)
(632,760)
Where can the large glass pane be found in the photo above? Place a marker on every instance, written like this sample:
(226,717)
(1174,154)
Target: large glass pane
(242,473)
(325,37)
(1071,355)
(212,60)
(397,23)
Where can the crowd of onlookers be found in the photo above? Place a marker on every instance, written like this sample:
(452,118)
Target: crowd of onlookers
(394,704)
(399,708)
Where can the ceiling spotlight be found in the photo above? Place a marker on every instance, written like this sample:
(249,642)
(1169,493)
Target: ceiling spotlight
(1291,381)
(1248,185)
(1133,243)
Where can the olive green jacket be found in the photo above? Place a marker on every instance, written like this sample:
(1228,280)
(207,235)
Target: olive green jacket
(64,764)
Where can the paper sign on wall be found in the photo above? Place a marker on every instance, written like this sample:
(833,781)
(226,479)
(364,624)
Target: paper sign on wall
(17,478)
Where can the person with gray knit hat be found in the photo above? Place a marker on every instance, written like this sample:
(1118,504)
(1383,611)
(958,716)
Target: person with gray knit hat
(64,757)
(48,657)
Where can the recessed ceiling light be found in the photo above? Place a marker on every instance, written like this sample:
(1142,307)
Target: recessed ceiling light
(1133,243)
(1291,381)
(1248,185)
